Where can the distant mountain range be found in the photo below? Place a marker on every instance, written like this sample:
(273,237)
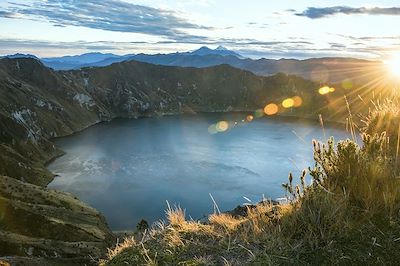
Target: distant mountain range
(323,70)
(100,59)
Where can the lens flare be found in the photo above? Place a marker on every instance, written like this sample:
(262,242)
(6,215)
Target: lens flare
(298,101)
(347,84)
(394,65)
(259,113)
(288,103)
(222,126)
(249,118)
(325,90)
(212,129)
(271,109)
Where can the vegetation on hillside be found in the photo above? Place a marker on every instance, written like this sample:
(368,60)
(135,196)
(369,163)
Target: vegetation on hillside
(349,214)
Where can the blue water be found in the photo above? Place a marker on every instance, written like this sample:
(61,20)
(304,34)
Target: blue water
(128,169)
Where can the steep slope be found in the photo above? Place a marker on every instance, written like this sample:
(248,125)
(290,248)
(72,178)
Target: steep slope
(50,224)
(35,105)
(133,88)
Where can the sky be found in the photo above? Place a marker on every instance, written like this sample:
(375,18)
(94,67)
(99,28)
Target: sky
(255,28)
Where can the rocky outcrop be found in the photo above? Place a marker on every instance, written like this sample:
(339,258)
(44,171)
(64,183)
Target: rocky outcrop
(39,222)
(36,104)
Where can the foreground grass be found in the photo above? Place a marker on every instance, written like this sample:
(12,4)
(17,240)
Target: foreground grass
(349,215)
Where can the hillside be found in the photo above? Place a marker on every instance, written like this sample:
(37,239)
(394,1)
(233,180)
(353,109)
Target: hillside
(46,223)
(38,104)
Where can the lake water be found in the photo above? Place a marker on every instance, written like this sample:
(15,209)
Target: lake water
(128,169)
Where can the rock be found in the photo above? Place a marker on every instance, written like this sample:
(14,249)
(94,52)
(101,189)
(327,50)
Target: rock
(47,224)
(241,211)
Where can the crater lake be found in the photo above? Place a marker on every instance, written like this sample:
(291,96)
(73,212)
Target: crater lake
(129,168)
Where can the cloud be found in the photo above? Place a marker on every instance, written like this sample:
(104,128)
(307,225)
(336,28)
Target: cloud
(6,14)
(369,40)
(257,25)
(110,15)
(31,44)
(337,46)
(379,38)
(315,12)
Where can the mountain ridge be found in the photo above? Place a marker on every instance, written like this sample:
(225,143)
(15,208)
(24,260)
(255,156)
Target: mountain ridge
(327,70)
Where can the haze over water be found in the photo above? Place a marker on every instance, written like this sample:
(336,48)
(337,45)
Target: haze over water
(127,169)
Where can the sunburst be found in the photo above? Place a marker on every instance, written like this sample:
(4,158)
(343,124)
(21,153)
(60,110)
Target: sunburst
(393,65)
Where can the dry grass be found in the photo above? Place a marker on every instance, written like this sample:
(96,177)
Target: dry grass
(127,243)
(224,221)
(384,117)
(348,215)
(225,240)
(175,215)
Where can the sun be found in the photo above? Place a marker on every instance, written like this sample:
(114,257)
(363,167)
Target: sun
(393,65)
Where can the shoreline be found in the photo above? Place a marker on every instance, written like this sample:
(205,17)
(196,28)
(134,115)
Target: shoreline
(315,120)
(277,118)
(293,118)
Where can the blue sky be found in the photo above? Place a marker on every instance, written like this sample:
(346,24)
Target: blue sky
(255,28)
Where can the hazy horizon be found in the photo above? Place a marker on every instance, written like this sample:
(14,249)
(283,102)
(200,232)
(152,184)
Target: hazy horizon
(187,51)
(287,29)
